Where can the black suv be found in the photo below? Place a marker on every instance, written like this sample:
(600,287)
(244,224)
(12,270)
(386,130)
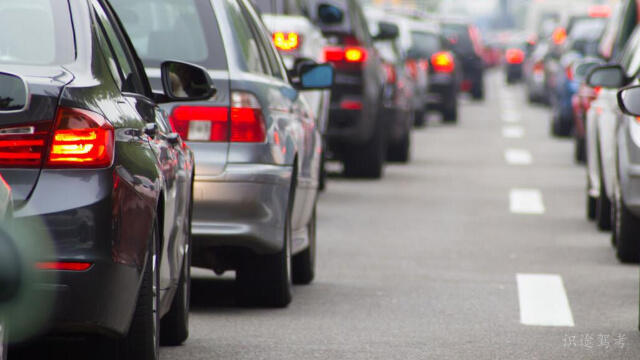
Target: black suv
(356,132)
(465,41)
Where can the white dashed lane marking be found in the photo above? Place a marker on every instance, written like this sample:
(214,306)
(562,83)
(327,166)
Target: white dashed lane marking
(518,157)
(526,201)
(513,132)
(543,300)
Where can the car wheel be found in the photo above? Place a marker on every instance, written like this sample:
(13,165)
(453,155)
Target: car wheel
(625,234)
(450,113)
(591,207)
(477,91)
(420,120)
(304,264)
(401,151)
(580,151)
(174,326)
(322,180)
(603,208)
(142,341)
(367,160)
(265,280)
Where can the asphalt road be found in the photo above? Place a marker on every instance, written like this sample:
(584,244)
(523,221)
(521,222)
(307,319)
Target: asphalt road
(463,254)
(424,264)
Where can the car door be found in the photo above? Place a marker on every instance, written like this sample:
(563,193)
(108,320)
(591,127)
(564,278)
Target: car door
(137,93)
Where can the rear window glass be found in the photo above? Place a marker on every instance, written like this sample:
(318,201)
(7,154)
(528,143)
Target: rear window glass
(36,32)
(424,44)
(458,36)
(184,30)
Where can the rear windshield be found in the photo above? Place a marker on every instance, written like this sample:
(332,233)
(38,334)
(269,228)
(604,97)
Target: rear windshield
(588,29)
(36,32)
(183,30)
(458,36)
(425,44)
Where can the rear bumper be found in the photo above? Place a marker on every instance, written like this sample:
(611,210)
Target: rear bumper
(245,207)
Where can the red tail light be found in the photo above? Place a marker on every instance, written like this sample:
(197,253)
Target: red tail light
(600,11)
(514,56)
(390,72)
(23,146)
(569,72)
(350,54)
(286,41)
(559,36)
(63,266)
(412,68)
(201,123)
(442,62)
(351,105)
(80,139)
(247,121)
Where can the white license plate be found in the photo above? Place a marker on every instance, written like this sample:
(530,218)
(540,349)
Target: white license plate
(199,130)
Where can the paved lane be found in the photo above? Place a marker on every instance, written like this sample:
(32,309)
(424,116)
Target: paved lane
(434,262)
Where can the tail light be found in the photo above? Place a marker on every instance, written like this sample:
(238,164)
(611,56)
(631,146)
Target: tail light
(390,72)
(412,68)
(201,123)
(286,41)
(349,54)
(243,123)
(80,139)
(63,266)
(600,11)
(247,121)
(23,146)
(559,36)
(569,73)
(538,67)
(351,105)
(442,62)
(514,56)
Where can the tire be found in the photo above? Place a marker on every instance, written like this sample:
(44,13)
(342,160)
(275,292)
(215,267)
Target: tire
(420,120)
(303,267)
(174,326)
(580,151)
(322,181)
(142,341)
(265,280)
(625,234)
(477,91)
(560,127)
(400,152)
(367,160)
(591,207)
(603,210)
(450,113)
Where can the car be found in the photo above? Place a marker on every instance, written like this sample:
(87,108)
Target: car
(256,144)
(601,118)
(534,74)
(581,102)
(467,45)
(402,99)
(10,260)
(514,57)
(297,38)
(357,132)
(582,39)
(90,155)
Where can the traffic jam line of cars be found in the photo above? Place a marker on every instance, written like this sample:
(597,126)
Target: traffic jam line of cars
(140,138)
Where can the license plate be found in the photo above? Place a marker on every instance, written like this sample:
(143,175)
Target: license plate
(199,130)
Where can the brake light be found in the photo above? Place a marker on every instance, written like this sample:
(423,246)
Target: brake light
(514,56)
(390,72)
(286,41)
(599,11)
(247,121)
(569,73)
(559,36)
(351,105)
(201,123)
(80,138)
(63,266)
(442,62)
(23,146)
(351,54)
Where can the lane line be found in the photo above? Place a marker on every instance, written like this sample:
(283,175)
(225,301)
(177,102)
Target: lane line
(513,132)
(510,117)
(543,300)
(526,201)
(518,157)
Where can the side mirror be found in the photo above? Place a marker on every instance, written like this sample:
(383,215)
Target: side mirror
(330,14)
(186,82)
(607,76)
(311,76)
(629,100)
(387,31)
